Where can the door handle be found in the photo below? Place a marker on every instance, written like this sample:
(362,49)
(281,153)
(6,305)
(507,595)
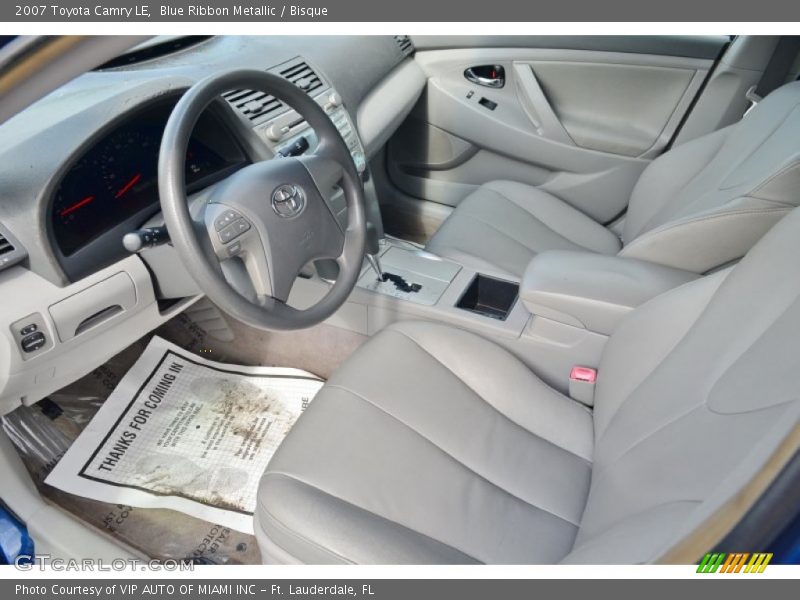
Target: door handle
(493,76)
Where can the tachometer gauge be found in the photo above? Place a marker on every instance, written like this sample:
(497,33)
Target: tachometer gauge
(71,200)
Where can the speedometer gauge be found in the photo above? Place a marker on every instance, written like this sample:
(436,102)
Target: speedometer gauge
(116,179)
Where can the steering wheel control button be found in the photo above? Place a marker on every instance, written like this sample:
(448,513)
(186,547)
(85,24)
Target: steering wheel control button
(28,329)
(31,343)
(288,200)
(234,230)
(234,249)
(225,219)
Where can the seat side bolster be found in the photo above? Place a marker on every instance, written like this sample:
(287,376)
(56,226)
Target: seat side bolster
(666,179)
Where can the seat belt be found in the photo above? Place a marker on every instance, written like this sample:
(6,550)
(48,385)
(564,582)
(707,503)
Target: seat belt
(581,384)
(775,72)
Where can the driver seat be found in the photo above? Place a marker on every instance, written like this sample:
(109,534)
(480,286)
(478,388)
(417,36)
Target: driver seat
(433,445)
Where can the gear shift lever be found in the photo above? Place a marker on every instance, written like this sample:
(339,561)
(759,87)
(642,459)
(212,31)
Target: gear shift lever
(372,250)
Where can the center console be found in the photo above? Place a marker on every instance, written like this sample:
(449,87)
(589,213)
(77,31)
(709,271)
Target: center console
(594,291)
(559,316)
(410,275)
(422,278)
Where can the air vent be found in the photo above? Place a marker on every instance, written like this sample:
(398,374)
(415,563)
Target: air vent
(405,44)
(258,106)
(302,76)
(253,105)
(10,250)
(5,245)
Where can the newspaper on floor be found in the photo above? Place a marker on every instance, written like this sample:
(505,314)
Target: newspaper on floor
(188,434)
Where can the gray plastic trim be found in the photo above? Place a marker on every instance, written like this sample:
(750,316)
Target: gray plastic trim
(387,106)
(691,46)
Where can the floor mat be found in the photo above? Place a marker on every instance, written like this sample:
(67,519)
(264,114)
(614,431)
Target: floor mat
(45,431)
(187,434)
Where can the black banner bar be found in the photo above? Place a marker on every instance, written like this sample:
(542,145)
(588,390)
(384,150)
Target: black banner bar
(702,587)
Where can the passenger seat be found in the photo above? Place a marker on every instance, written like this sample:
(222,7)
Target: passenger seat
(433,445)
(699,206)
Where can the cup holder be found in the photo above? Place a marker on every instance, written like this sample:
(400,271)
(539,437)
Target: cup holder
(489,297)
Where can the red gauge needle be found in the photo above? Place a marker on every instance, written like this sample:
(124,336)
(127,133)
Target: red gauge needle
(76,206)
(125,188)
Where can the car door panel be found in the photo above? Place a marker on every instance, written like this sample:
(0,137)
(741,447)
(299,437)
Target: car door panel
(628,107)
(580,123)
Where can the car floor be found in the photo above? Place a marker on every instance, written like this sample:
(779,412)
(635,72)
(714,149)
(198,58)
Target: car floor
(43,432)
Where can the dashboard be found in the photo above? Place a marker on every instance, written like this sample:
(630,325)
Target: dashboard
(79,166)
(117,177)
(78,171)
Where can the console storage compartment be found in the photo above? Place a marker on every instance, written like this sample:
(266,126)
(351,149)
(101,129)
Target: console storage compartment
(489,297)
(593,291)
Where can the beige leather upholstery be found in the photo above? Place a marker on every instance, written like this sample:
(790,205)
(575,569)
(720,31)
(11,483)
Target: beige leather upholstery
(432,445)
(699,206)
(500,227)
(593,291)
(395,423)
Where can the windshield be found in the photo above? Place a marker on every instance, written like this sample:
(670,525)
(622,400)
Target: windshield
(155,47)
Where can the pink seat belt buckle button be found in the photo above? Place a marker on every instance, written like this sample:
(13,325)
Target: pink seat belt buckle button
(586,374)
(581,384)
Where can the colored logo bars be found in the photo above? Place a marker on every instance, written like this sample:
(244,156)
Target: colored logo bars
(737,562)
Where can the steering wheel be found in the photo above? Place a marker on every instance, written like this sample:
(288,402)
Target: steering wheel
(273,215)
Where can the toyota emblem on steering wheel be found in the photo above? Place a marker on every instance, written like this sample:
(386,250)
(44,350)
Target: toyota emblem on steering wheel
(288,200)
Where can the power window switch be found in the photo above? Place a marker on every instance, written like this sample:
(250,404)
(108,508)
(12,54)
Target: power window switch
(486,103)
